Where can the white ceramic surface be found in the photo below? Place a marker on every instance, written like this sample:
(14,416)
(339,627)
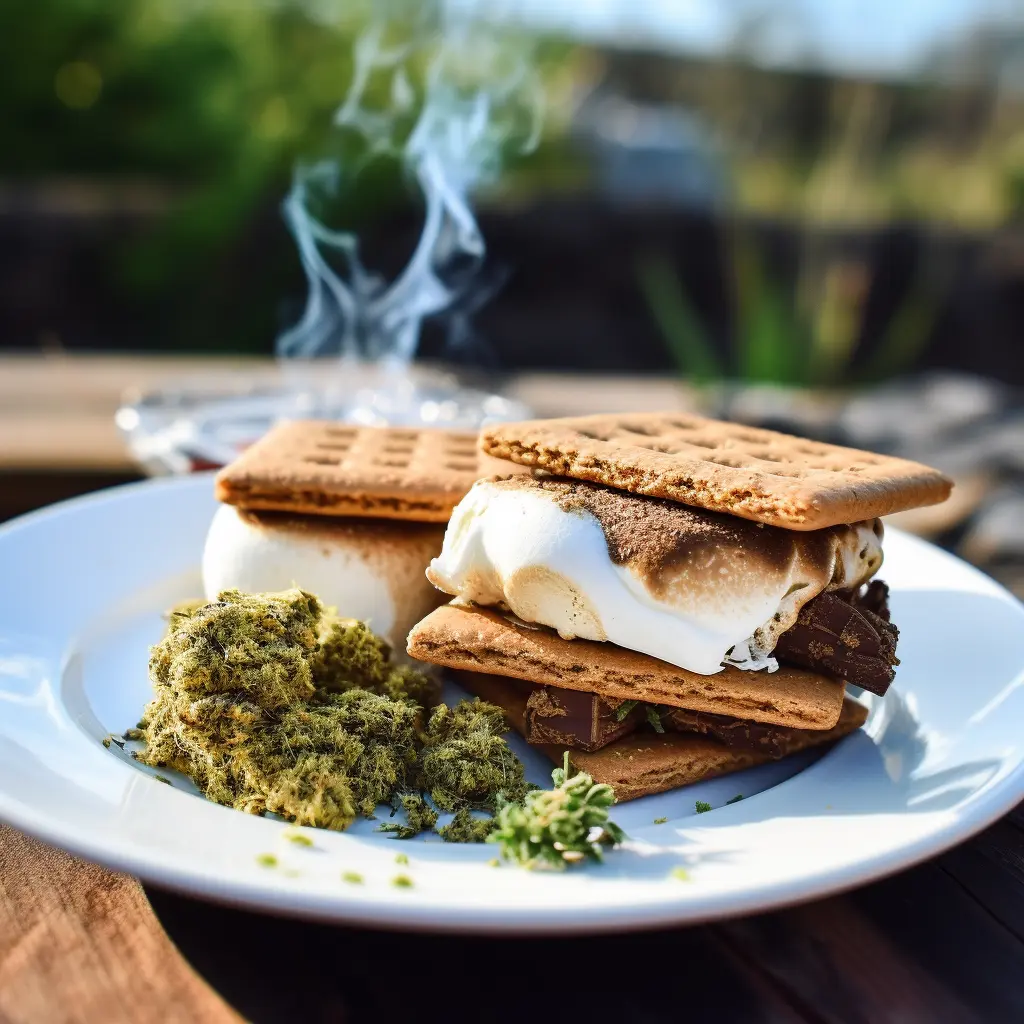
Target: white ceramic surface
(82,588)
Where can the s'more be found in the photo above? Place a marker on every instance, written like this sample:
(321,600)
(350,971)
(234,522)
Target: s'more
(669,597)
(351,513)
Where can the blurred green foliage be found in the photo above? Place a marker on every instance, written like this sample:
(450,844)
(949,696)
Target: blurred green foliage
(206,105)
(806,336)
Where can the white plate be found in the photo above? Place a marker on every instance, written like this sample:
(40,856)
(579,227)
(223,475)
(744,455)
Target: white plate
(82,587)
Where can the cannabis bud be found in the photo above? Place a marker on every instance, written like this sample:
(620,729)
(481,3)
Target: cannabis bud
(560,826)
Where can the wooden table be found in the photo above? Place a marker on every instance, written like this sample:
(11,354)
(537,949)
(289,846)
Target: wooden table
(941,942)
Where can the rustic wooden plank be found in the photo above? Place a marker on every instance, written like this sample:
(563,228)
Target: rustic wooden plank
(80,944)
(360,975)
(991,869)
(835,963)
(914,947)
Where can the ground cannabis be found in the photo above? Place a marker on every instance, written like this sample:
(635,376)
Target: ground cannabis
(255,646)
(465,762)
(465,827)
(559,826)
(419,816)
(269,705)
(702,807)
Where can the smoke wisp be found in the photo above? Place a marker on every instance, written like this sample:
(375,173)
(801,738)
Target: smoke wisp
(458,102)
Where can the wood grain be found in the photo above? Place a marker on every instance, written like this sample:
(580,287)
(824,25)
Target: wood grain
(81,944)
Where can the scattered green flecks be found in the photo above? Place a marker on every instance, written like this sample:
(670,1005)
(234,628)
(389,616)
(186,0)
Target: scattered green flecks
(401,859)
(494,863)
(106,742)
(736,799)
(680,874)
(660,821)
(298,838)
(352,877)
(266,860)
(163,778)
(702,807)
(402,882)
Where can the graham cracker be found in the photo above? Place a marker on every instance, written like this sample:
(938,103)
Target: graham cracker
(642,764)
(479,640)
(338,469)
(726,467)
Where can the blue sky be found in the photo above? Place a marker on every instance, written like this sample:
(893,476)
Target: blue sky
(878,37)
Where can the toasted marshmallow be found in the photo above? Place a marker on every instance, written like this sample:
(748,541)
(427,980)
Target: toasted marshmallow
(368,570)
(696,589)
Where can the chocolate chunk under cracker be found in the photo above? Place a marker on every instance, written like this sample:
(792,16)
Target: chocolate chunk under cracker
(339,469)
(645,763)
(480,640)
(837,634)
(726,467)
(588,722)
(578,720)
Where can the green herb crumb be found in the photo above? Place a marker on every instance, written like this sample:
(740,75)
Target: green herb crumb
(266,860)
(736,799)
(353,877)
(163,778)
(401,859)
(106,742)
(680,874)
(402,882)
(465,827)
(419,816)
(654,718)
(660,821)
(702,807)
(494,863)
(623,710)
(298,838)
(560,826)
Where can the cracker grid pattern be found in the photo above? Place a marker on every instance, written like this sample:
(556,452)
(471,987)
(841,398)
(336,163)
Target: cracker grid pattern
(326,468)
(745,471)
